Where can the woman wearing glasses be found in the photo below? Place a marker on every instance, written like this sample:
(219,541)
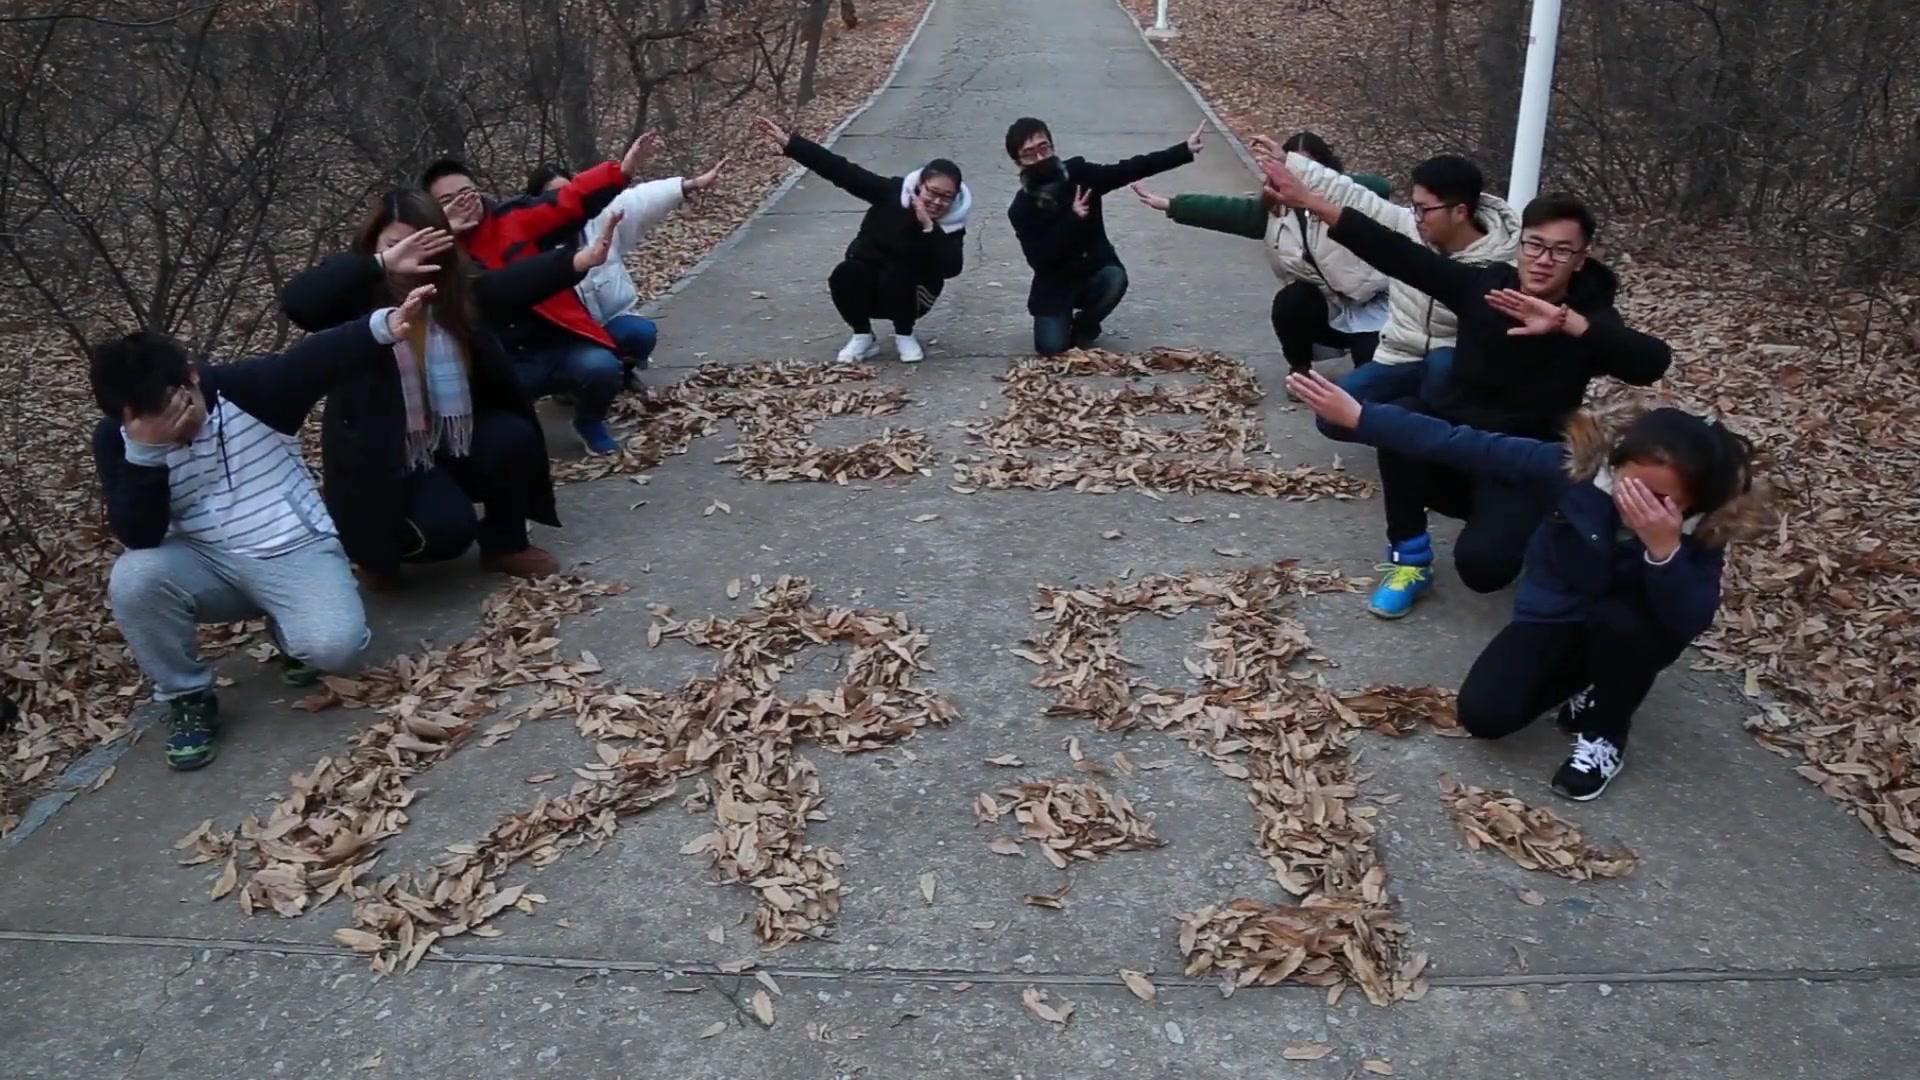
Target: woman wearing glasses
(910,243)
(1531,337)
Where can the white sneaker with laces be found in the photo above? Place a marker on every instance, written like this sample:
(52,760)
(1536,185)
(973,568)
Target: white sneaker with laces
(909,348)
(1589,769)
(858,347)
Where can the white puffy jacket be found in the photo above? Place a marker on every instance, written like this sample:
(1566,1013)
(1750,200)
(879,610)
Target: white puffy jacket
(608,290)
(1416,323)
(1340,270)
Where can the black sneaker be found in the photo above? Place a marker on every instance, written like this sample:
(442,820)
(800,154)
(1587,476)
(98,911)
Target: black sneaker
(298,673)
(1589,769)
(1085,334)
(1570,710)
(193,731)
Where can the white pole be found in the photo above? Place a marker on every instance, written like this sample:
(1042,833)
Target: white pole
(1536,92)
(1161,27)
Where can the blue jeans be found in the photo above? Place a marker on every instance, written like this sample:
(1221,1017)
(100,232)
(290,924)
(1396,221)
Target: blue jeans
(634,336)
(1093,301)
(589,372)
(1375,381)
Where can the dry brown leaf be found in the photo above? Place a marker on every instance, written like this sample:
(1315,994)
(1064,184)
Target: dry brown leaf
(927,885)
(229,877)
(1534,838)
(1009,761)
(763,1008)
(1377,1067)
(1531,898)
(715,1028)
(733,589)
(1006,845)
(1138,984)
(921,519)
(1307,1052)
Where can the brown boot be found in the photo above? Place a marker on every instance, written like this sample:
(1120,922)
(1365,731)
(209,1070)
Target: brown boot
(533,562)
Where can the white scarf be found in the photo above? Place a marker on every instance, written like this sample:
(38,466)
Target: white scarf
(954,219)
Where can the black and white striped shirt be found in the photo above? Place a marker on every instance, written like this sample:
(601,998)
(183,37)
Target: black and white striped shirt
(240,486)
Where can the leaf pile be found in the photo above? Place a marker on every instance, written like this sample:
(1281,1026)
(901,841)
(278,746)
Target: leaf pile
(777,407)
(327,831)
(1534,838)
(1258,717)
(1110,442)
(1818,620)
(1069,819)
(732,726)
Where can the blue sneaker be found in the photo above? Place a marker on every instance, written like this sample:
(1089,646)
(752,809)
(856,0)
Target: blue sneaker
(597,438)
(1404,579)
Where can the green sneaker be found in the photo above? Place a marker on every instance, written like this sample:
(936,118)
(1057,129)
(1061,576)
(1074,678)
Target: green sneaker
(193,731)
(298,673)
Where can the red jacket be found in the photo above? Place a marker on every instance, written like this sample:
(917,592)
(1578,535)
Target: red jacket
(519,228)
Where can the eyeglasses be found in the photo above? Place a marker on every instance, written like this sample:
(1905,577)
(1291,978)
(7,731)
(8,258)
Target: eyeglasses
(935,195)
(1420,211)
(452,197)
(1035,153)
(1534,248)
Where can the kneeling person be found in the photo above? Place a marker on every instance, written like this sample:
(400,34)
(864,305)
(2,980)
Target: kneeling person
(222,521)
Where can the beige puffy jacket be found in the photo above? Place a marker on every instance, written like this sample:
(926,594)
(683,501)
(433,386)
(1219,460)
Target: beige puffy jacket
(1340,270)
(1416,323)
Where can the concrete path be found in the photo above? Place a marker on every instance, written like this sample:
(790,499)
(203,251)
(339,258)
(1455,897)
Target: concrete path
(1764,935)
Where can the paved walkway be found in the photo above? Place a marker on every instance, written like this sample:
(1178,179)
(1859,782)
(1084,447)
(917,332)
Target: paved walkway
(1764,935)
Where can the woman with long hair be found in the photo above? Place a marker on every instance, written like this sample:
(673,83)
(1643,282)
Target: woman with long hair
(408,450)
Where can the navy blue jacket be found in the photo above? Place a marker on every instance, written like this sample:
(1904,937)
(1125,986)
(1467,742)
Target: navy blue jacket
(1581,552)
(1064,248)
(278,390)
(1518,384)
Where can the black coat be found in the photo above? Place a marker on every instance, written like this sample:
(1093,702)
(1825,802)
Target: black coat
(278,390)
(890,234)
(1512,384)
(1063,248)
(363,431)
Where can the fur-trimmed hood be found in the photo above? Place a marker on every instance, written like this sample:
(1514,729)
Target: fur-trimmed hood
(1590,437)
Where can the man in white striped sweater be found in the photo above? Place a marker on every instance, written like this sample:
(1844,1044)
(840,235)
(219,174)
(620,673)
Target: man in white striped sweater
(222,521)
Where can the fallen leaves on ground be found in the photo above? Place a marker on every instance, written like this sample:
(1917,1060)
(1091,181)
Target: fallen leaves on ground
(1534,838)
(1070,819)
(1260,716)
(1111,443)
(1036,1002)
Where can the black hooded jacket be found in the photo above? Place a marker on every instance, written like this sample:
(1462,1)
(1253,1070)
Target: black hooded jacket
(1513,384)
(890,234)
(1063,248)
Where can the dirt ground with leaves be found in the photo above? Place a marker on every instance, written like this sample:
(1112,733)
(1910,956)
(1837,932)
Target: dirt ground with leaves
(988,717)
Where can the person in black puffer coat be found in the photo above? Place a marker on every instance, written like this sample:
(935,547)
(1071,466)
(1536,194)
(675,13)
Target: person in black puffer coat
(910,244)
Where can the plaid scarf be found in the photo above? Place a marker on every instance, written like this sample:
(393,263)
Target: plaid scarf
(439,402)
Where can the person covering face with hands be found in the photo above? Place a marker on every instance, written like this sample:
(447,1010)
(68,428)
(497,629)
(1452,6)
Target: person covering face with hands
(1531,338)
(911,242)
(557,345)
(1078,279)
(1616,583)
(204,484)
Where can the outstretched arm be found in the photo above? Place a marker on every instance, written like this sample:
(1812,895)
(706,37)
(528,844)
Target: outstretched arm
(330,292)
(282,388)
(856,181)
(1416,435)
(1235,215)
(1102,179)
(520,285)
(572,206)
(1616,349)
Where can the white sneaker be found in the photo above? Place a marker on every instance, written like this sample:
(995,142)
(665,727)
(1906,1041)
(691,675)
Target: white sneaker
(858,347)
(909,348)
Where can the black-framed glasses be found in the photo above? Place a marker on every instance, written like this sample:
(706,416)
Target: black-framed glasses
(1420,210)
(938,196)
(1039,152)
(1534,248)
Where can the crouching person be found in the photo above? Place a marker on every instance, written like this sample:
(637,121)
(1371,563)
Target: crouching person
(222,521)
(1618,579)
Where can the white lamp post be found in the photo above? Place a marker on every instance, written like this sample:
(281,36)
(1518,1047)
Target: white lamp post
(1536,92)
(1161,28)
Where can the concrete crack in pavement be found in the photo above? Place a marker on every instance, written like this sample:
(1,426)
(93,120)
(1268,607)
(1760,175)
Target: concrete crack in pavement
(887,975)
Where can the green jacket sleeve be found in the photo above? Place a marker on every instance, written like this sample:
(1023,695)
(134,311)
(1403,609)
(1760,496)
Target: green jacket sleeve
(1240,215)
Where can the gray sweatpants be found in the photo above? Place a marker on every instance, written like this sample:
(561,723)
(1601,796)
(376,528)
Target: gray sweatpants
(309,596)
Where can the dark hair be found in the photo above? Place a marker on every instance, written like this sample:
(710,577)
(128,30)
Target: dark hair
(137,372)
(941,167)
(1023,129)
(452,302)
(1560,207)
(1315,147)
(1453,179)
(546,173)
(1714,463)
(441,169)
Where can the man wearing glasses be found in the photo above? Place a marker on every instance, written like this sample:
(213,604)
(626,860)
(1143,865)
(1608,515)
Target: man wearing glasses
(1077,276)
(558,347)
(1530,338)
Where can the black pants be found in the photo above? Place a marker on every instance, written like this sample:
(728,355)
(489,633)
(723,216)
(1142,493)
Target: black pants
(865,291)
(1300,322)
(499,474)
(1094,298)
(1528,668)
(1500,516)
